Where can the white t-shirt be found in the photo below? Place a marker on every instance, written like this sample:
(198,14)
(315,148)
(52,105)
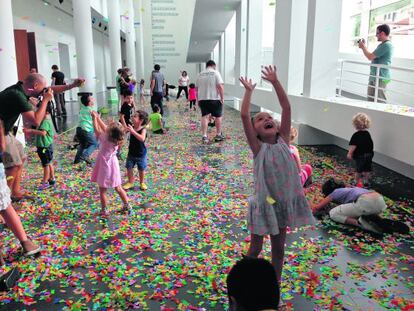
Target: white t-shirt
(183,81)
(207,83)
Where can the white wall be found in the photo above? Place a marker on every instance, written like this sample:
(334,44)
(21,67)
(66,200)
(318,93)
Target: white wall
(167,30)
(52,26)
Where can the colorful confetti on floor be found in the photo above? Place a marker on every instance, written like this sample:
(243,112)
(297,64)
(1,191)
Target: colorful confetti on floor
(186,232)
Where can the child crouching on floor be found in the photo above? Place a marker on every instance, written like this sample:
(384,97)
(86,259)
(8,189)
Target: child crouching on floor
(157,123)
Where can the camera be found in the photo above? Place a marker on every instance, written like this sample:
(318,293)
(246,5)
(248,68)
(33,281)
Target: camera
(50,108)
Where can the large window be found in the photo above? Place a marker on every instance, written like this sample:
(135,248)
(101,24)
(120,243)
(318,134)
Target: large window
(360,19)
(268,31)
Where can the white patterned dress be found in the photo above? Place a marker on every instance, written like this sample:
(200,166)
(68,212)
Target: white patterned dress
(279,199)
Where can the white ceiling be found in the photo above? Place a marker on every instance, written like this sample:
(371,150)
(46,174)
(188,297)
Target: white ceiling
(210,20)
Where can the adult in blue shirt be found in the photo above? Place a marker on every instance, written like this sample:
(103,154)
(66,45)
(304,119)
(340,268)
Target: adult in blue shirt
(382,55)
(354,203)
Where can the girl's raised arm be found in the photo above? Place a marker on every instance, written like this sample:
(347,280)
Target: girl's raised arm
(98,125)
(249,130)
(269,74)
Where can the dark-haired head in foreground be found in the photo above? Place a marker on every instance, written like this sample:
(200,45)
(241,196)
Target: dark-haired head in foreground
(252,285)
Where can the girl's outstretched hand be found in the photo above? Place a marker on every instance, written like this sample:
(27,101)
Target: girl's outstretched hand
(247,83)
(269,74)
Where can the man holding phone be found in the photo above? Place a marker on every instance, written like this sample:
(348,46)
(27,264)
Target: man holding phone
(382,55)
(14,101)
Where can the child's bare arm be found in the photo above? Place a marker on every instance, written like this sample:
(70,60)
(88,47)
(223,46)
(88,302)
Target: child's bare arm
(321,204)
(96,123)
(250,132)
(269,74)
(351,152)
(140,137)
(122,118)
(101,123)
(34,132)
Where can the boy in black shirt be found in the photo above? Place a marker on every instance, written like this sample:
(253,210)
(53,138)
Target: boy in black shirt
(137,151)
(361,149)
(127,109)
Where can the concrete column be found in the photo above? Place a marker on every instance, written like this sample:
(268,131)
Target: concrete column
(241,39)
(222,49)
(114,25)
(230,51)
(254,39)
(322,45)
(130,39)
(289,43)
(84,43)
(8,72)
(139,32)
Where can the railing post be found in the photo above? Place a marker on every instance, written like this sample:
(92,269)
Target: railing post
(340,78)
(376,84)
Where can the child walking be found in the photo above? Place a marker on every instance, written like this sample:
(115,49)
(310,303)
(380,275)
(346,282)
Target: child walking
(279,200)
(192,96)
(361,149)
(305,171)
(106,171)
(137,151)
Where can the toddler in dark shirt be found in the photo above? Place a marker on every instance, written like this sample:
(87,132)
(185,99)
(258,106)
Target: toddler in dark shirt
(361,149)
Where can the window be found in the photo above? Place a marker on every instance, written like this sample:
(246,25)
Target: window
(360,19)
(268,31)
(268,35)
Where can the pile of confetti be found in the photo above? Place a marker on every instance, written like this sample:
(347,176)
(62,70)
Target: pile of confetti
(186,232)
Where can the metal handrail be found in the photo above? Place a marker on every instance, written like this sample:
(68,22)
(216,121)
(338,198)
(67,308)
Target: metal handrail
(375,65)
(377,77)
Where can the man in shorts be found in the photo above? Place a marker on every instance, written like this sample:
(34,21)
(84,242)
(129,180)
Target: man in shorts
(157,88)
(14,101)
(210,87)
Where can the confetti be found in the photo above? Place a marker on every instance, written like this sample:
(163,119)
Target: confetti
(188,229)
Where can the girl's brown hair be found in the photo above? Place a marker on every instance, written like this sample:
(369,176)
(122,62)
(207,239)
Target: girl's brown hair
(115,134)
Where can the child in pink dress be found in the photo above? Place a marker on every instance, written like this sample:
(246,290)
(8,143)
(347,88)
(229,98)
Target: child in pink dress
(106,171)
